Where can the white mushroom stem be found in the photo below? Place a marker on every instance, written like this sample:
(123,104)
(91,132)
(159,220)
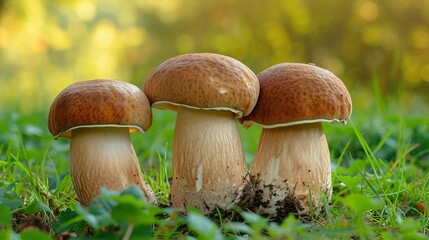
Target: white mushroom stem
(209,168)
(289,163)
(104,157)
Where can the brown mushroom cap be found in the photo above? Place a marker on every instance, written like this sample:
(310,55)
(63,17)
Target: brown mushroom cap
(203,81)
(296,93)
(99,103)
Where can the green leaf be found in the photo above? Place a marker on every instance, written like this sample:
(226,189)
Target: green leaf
(137,215)
(36,206)
(409,225)
(130,200)
(360,203)
(292,224)
(9,235)
(134,191)
(202,226)
(31,208)
(408,229)
(33,234)
(44,207)
(351,182)
(140,232)
(256,222)
(10,198)
(106,199)
(130,213)
(356,168)
(238,227)
(68,221)
(134,209)
(96,216)
(5,217)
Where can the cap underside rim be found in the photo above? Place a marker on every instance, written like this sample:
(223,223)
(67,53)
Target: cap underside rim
(67,133)
(247,124)
(167,105)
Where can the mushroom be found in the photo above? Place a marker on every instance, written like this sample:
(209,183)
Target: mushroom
(208,91)
(292,161)
(98,116)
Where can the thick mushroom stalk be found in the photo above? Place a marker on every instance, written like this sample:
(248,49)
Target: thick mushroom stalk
(104,157)
(209,168)
(290,163)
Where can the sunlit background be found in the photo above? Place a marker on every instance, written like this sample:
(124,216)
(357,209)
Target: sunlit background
(373,46)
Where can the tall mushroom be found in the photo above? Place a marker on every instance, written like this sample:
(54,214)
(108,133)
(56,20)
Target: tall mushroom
(207,90)
(292,159)
(98,116)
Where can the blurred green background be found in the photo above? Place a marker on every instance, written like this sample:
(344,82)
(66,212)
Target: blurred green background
(47,45)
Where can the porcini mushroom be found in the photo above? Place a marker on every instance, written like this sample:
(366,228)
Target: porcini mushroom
(292,159)
(98,116)
(207,90)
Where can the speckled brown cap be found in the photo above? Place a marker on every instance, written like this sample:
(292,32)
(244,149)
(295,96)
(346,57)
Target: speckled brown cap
(99,103)
(296,93)
(203,81)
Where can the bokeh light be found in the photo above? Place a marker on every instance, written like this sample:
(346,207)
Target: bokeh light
(45,45)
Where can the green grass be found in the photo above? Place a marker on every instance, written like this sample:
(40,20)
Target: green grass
(380,181)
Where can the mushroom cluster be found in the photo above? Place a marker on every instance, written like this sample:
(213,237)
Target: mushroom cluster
(290,172)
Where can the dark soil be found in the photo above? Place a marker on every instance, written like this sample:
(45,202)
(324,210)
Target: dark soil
(289,205)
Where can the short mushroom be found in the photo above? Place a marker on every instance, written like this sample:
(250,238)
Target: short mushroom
(98,116)
(292,159)
(208,91)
